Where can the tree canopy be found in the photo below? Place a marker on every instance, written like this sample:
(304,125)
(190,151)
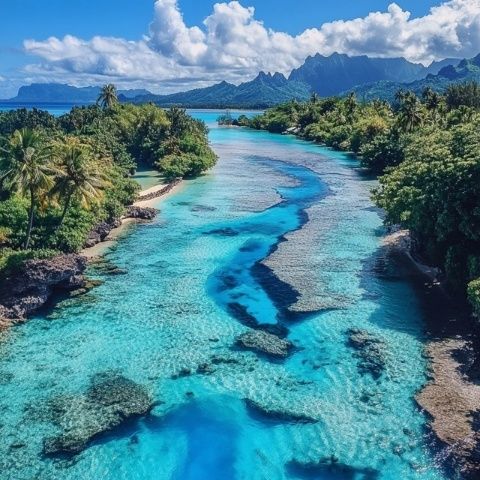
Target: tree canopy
(59,176)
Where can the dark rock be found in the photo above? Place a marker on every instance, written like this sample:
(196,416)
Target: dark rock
(100,232)
(202,208)
(223,232)
(205,369)
(241,313)
(17,445)
(110,401)
(105,267)
(330,467)
(264,342)
(217,360)
(370,352)
(29,287)
(281,415)
(88,285)
(184,372)
(142,213)
(162,191)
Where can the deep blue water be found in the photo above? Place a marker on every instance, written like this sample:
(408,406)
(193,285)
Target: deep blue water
(304,213)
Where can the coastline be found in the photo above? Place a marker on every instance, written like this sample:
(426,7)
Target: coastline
(451,395)
(38,281)
(155,194)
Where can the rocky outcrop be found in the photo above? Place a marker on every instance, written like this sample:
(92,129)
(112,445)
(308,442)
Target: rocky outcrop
(110,401)
(141,213)
(401,242)
(264,342)
(453,403)
(279,414)
(369,350)
(100,232)
(159,192)
(29,287)
(331,467)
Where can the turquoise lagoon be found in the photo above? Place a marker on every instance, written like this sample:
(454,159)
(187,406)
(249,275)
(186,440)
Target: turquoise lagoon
(280,235)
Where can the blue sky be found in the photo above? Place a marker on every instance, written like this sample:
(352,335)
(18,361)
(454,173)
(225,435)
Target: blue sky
(236,42)
(129,18)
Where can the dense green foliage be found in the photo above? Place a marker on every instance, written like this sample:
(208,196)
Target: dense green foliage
(426,152)
(59,177)
(474,296)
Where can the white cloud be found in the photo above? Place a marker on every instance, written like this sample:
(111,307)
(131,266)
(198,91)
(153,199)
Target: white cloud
(233,45)
(172,38)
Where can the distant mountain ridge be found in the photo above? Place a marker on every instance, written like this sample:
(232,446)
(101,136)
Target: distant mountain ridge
(264,91)
(61,93)
(331,75)
(464,70)
(327,76)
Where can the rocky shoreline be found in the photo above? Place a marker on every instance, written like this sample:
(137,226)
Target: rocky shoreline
(102,230)
(32,285)
(452,401)
(451,398)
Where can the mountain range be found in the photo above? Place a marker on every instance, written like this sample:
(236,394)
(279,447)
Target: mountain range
(463,71)
(331,75)
(264,91)
(327,76)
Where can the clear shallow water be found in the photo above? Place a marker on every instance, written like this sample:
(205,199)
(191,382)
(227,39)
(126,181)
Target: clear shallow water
(172,310)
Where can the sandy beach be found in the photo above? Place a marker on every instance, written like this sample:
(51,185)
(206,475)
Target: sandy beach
(101,248)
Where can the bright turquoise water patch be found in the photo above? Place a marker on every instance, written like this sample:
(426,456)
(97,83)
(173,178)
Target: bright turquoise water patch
(234,285)
(166,324)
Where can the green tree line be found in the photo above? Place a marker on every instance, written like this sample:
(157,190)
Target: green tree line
(60,176)
(426,153)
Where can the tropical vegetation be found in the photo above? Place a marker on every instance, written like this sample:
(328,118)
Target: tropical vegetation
(425,150)
(60,176)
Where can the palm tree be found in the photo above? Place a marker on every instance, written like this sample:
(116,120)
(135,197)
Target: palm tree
(400,95)
(432,101)
(78,178)
(179,121)
(108,96)
(410,113)
(462,114)
(26,167)
(351,104)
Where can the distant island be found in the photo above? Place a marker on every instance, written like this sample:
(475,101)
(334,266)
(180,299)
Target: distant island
(61,93)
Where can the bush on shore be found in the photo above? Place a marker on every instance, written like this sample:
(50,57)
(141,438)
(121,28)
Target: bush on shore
(59,177)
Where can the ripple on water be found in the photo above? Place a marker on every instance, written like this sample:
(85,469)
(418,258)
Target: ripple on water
(166,325)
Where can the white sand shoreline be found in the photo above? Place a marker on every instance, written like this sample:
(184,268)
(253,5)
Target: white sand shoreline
(102,247)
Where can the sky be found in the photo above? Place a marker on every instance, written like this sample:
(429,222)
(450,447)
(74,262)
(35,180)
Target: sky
(171,45)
